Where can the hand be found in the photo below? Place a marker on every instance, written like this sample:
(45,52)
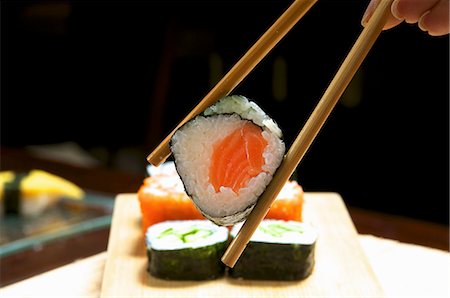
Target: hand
(431,16)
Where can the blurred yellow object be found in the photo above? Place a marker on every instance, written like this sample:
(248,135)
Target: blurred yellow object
(38,182)
(5,177)
(35,191)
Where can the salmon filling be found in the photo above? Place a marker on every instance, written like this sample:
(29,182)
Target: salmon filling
(237,158)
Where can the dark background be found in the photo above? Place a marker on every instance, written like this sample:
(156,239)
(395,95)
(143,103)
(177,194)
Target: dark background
(116,76)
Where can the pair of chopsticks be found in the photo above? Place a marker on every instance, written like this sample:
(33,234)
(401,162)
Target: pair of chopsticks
(240,70)
(312,127)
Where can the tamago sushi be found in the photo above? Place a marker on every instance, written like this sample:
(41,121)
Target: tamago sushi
(226,157)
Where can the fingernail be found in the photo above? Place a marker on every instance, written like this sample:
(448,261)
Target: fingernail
(394,11)
(421,22)
(364,19)
(369,12)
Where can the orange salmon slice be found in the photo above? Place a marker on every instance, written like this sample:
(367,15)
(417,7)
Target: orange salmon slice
(237,158)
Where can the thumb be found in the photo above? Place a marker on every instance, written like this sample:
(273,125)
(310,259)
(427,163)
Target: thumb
(391,21)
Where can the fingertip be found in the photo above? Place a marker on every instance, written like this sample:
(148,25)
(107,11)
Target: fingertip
(394,11)
(391,23)
(395,18)
(363,22)
(435,21)
(422,24)
(369,12)
(392,20)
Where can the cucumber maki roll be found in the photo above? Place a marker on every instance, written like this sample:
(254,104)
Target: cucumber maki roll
(226,157)
(278,250)
(186,250)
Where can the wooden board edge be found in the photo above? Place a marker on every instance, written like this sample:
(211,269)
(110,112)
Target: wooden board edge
(119,199)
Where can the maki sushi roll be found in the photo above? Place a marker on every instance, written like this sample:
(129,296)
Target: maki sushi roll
(226,157)
(289,203)
(186,250)
(162,197)
(278,250)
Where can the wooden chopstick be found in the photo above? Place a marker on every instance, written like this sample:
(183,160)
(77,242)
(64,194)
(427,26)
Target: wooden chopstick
(240,70)
(310,130)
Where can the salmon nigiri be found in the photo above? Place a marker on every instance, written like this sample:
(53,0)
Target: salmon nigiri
(226,157)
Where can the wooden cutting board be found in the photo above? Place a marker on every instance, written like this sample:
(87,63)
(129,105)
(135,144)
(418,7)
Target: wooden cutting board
(341,268)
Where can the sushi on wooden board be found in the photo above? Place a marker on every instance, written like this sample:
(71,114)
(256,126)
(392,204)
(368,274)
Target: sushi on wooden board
(341,268)
(191,250)
(186,250)
(174,253)
(278,250)
(226,157)
(162,197)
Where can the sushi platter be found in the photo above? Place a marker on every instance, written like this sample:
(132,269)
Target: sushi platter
(341,268)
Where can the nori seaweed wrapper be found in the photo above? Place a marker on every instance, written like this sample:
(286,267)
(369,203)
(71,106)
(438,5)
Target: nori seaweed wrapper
(186,250)
(12,194)
(202,263)
(273,261)
(278,250)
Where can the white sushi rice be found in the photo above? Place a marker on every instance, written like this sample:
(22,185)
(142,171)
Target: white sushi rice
(192,146)
(306,236)
(156,242)
(249,110)
(167,168)
(33,206)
